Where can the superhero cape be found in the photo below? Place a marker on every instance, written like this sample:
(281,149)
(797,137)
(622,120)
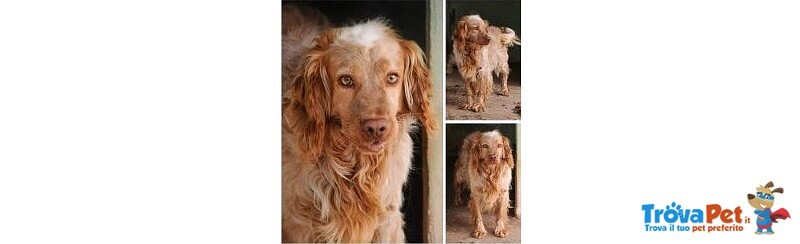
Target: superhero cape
(779,214)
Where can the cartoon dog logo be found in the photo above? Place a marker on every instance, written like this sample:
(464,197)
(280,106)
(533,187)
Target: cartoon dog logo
(763,201)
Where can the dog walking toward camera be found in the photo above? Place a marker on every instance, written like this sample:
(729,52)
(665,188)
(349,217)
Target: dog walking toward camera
(351,97)
(763,201)
(484,168)
(478,51)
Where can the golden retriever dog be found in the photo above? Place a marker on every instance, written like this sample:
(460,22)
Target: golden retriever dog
(352,97)
(484,167)
(480,49)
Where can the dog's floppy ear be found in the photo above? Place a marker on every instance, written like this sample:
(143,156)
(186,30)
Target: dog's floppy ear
(460,36)
(509,155)
(778,190)
(309,100)
(769,185)
(417,85)
(461,30)
(474,145)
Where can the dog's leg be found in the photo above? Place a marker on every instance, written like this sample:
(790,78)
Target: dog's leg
(475,210)
(472,94)
(480,103)
(458,187)
(484,87)
(480,106)
(504,79)
(459,183)
(469,85)
(501,211)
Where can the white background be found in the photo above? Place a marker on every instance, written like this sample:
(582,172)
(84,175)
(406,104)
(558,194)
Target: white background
(636,102)
(158,121)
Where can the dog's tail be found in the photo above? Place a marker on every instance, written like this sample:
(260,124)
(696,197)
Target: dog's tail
(508,37)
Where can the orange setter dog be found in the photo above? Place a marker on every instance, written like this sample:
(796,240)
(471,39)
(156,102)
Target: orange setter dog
(478,50)
(484,167)
(352,96)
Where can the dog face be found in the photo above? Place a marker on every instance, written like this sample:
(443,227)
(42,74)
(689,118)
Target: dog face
(358,82)
(492,148)
(764,197)
(367,87)
(473,30)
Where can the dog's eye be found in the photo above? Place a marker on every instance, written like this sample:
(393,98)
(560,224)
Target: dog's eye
(392,79)
(485,146)
(346,80)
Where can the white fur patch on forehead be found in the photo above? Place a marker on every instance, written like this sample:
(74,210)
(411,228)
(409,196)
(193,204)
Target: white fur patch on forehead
(474,17)
(365,34)
(493,133)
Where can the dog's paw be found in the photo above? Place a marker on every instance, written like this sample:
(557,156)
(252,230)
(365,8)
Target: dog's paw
(466,106)
(478,108)
(503,92)
(500,232)
(479,233)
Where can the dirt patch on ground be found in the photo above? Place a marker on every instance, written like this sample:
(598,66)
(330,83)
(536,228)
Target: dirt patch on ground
(459,228)
(497,108)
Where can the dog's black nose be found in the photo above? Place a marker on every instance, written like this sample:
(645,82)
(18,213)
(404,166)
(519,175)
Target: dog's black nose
(750,196)
(374,127)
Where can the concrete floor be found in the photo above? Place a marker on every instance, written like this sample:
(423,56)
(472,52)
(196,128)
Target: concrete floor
(459,228)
